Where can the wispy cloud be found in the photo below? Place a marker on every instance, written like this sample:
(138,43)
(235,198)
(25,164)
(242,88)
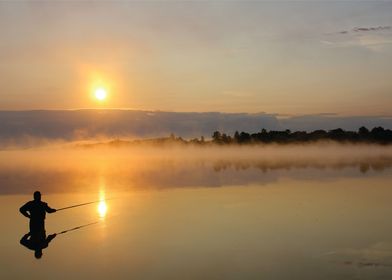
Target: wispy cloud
(363,29)
(367,29)
(373,38)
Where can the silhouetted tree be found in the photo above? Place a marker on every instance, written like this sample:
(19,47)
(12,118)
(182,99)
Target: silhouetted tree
(363,131)
(217,137)
(236,137)
(244,137)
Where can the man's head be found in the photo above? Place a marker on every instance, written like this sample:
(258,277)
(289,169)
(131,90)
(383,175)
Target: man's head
(37,196)
(38,253)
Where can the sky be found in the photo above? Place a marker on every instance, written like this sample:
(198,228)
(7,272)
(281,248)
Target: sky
(288,58)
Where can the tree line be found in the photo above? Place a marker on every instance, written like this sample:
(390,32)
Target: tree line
(377,135)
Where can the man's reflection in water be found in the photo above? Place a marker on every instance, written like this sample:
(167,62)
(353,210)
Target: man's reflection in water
(37,241)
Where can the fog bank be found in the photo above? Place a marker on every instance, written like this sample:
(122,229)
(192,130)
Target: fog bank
(35,127)
(69,169)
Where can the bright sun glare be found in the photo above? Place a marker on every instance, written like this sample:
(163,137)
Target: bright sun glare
(102,209)
(100,94)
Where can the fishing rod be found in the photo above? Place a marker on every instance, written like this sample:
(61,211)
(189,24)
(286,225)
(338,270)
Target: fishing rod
(82,204)
(76,228)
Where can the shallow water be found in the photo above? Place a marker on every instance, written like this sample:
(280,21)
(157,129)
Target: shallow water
(218,217)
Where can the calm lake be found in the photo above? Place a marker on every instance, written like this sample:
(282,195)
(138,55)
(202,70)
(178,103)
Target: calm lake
(319,212)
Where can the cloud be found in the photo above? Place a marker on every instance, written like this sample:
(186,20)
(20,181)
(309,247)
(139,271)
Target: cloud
(367,29)
(363,29)
(374,38)
(374,42)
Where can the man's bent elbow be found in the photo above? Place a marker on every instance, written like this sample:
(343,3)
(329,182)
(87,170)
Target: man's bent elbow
(24,213)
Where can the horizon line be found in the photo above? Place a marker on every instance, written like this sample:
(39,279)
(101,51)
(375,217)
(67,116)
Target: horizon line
(278,115)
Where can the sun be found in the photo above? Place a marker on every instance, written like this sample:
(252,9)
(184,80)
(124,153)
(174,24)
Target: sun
(100,94)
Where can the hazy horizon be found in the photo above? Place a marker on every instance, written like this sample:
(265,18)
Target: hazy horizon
(37,127)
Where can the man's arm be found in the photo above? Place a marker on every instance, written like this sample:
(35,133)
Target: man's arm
(25,240)
(24,210)
(49,210)
(51,237)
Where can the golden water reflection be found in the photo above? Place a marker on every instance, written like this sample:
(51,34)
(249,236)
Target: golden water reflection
(102,209)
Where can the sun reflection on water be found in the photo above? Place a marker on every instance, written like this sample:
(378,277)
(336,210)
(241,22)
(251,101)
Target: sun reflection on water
(102,206)
(102,209)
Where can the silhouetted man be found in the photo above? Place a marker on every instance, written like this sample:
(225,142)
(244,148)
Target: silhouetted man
(37,241)
(36,211)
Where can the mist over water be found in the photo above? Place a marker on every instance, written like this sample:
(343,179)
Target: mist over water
(191,212)
(68,168)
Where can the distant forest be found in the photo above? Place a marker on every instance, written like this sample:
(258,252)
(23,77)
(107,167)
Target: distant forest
(377,135)
(363,135)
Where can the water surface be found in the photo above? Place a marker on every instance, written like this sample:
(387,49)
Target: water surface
(201,215)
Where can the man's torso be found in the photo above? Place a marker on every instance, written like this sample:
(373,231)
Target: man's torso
(37,210)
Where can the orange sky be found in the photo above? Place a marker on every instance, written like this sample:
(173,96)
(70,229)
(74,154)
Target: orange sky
(288,58)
